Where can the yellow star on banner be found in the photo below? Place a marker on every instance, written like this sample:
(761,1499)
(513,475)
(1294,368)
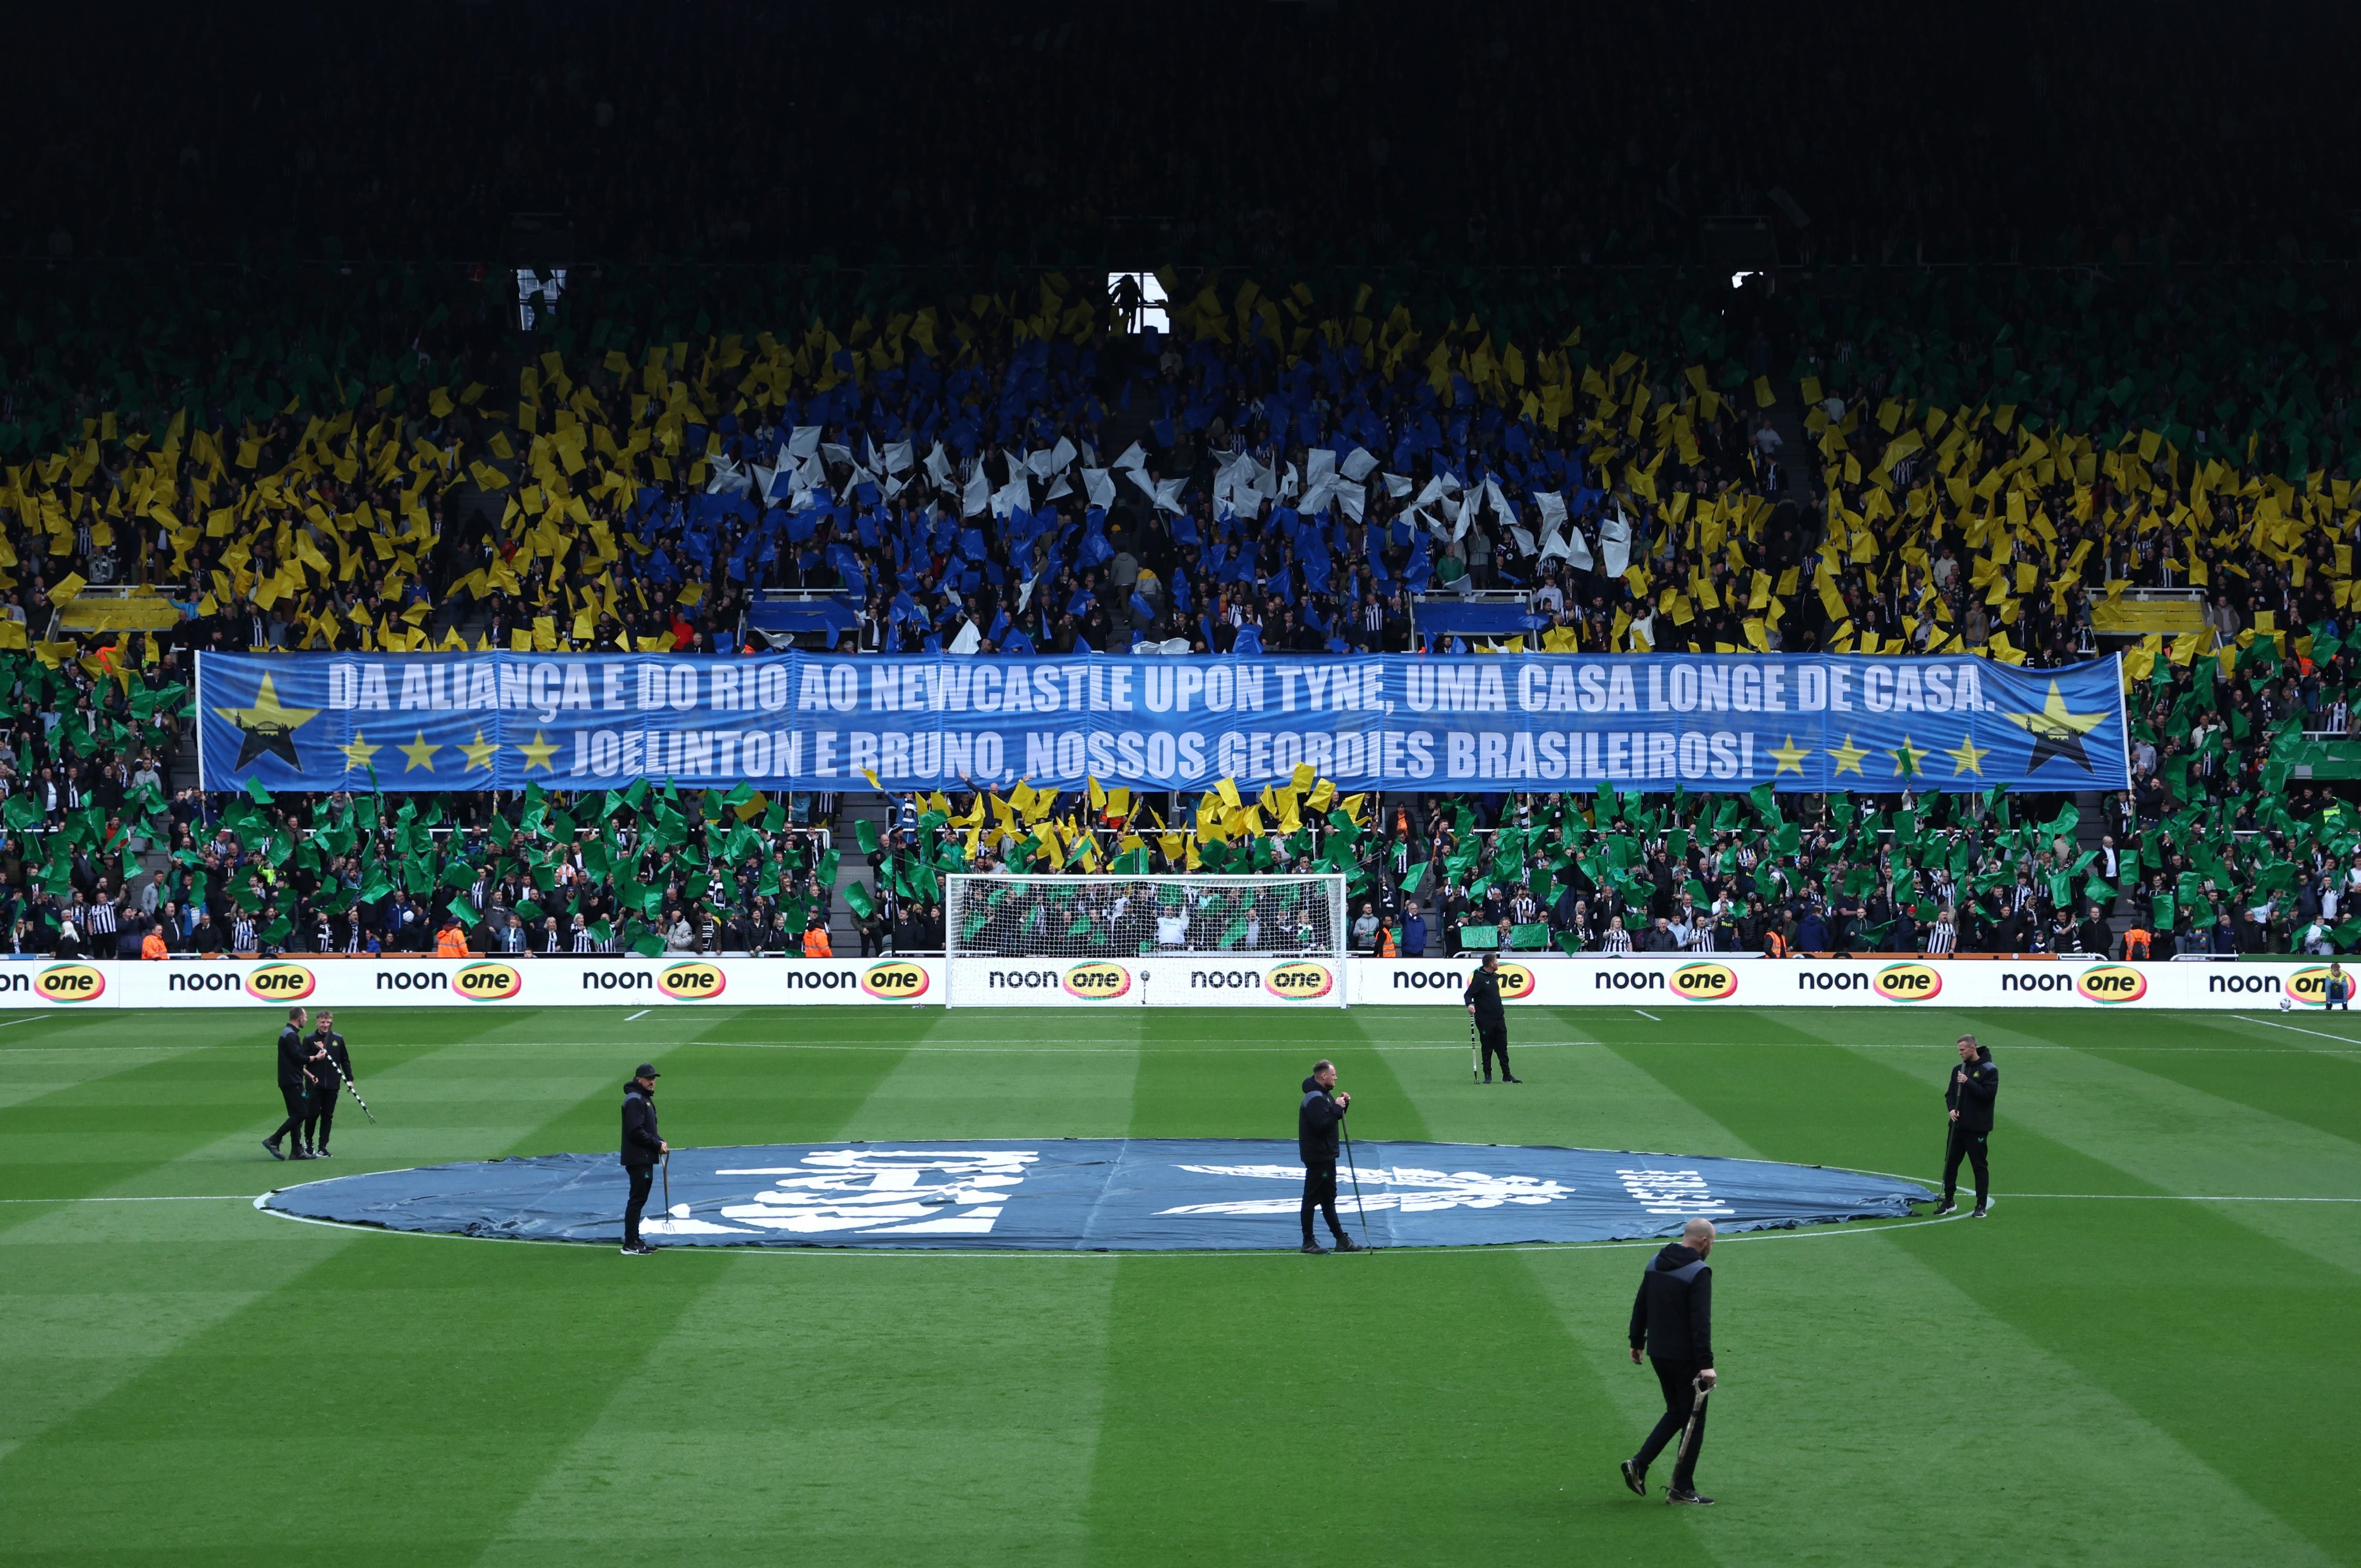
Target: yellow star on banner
(1966,757)
(480,753)
(267,726)
(1908,759)
(2056,732)
(419,753)
(358,752)
(1789,757)
(537,755)
(1847,757)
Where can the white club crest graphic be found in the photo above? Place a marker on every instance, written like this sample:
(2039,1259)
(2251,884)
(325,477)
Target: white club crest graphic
(874,1192)
(1410,1190)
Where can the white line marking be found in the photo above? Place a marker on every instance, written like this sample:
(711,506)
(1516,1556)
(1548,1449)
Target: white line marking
(640,1013)
(1651,1017)
(156,1198)
(2275,1024)
(36,1018)
(2172,1198)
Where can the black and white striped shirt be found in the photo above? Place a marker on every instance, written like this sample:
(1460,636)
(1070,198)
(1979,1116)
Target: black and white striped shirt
(1615,940)
(1942,937)
(102,919)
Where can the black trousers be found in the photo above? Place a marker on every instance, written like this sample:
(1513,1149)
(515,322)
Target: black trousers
(1320,1192)
(298,1112)
(1679,1381)
(644,1179)
(1495,1039)
(323,1118)
(1971,1145)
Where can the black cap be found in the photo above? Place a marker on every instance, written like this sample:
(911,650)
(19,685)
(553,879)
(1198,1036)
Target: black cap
(647,1070)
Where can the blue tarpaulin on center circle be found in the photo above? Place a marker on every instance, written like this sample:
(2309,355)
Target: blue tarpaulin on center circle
(1101,1194)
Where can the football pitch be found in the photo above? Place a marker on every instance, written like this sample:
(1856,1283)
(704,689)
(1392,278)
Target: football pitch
(2145,1355)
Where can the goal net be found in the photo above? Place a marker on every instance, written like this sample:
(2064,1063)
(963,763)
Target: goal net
(1170,940)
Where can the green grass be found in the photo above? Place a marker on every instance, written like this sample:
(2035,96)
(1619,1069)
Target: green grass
(2103,1372)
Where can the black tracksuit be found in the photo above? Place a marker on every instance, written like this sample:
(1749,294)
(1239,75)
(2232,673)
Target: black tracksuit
(642,1148)
(294,1056)
(1672,1318)
(1972,1132)
(1483,993)
(1316,1122)
(326,1086)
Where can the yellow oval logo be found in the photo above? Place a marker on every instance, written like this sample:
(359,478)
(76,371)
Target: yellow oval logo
(488,981)
(71,982)
(1516,982)
(2310,986)
(1705,981)
(1099,981)
(1908,982)
(895,981)
(692,981)
(281,983)
(2112,983)
(1300,981)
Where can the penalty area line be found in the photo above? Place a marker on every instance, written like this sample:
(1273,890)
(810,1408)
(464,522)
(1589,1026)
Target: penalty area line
(1651,1017)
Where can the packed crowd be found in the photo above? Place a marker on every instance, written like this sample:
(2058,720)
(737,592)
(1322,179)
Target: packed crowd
(1282,470)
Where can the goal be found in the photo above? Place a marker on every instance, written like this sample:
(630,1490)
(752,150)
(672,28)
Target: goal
(1144,940)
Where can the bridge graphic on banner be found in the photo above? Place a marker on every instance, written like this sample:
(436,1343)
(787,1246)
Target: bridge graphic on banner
(458,721)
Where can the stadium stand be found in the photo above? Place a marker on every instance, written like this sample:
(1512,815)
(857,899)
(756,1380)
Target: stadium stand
(1722,402)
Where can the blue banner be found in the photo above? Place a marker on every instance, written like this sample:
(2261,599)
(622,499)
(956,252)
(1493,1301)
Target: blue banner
(1124,1194)
(800,721)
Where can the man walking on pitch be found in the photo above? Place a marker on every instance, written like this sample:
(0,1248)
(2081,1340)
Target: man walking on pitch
(1672,1318)
(331,1068)
(1483,999)
(642,1147)
(1969,1097)
(296,1056)
(1316,1124)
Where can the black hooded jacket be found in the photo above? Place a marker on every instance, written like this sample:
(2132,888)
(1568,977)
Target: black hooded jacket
(1483,993)
(1974,1098)
(1673,1314)
(1316,1123)
(641,1145)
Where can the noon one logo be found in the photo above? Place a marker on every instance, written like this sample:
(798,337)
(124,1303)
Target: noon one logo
(692,981)
(1908,982)
(1100,981)
(895,981)
(2310,986)
(281,983)
(70,984)
(488,981)
(1301,981)
(1705,982)
(2112,983)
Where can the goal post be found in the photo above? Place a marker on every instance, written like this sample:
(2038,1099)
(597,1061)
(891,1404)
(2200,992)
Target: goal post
(1153,941)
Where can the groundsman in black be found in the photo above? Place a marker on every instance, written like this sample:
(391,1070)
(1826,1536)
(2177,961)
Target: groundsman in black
(1483,999)
(644,1146)
(1672,1321)
(1317,1119)
(1967,1100)
(295,1060)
